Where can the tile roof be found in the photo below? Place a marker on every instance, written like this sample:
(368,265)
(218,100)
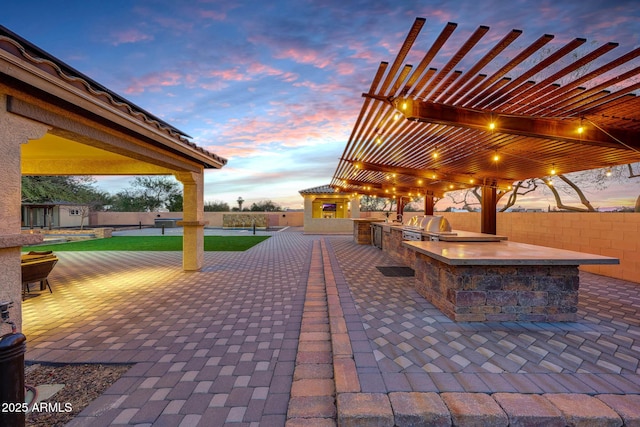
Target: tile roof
(323,189)
(24,50)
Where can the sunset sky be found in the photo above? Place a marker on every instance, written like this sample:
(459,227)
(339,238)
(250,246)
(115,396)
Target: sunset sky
(275,86)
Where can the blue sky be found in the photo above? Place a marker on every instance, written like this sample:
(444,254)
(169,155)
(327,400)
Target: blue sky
(275,86)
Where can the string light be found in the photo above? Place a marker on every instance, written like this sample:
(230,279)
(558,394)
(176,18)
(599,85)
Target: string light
(435,153)
(608,172)
(553,169)
(492,126)
(495,156)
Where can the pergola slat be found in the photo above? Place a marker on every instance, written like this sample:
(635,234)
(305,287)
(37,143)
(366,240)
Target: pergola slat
(456,126)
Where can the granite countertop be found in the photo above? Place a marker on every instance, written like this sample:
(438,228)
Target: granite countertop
(451,236)
(503,253)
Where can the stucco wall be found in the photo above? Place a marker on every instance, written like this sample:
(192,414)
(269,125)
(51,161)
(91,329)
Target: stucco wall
(275,219)
(615,234)
(328,226)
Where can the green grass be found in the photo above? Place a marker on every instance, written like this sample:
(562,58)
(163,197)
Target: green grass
(152,243)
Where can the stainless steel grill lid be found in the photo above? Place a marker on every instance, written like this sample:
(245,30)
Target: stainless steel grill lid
(438,224)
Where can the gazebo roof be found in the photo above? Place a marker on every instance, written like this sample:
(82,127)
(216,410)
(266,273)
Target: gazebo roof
(423,130)
(34,71)
(323,189)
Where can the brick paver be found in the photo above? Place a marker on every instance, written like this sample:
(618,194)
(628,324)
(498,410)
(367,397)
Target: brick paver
(406,334)
(214,347)
(299,328)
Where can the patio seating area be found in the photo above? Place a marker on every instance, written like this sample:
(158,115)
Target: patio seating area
(306,329)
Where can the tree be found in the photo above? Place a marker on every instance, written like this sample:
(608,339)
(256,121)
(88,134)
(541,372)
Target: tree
(574,184)
(148,194)
(216,206)
(49,189)
(175,203)
(376,204)
(78,190)
(128,200)
(265,206)
(157,190)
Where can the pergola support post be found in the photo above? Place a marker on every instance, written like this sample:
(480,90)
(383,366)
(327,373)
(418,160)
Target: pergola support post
(488,209)
(428,204)
(192,220)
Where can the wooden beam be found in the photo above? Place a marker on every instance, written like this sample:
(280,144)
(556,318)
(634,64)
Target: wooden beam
(537,127)
(387,190)
(429,176)
(428,204)
(488,210)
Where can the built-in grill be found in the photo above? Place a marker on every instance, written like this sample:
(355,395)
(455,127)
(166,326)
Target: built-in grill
(432,224)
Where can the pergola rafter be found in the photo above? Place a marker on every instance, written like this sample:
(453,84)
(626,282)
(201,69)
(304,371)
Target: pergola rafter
(410,114)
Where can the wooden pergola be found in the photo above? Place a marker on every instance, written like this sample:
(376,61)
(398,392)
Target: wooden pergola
(512,115)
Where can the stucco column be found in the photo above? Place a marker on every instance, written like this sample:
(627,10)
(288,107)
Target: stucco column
(14,131)
(192,220)
(355,207)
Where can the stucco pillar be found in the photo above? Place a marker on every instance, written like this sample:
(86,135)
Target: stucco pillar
(355,207)
(14,131)
(192,220)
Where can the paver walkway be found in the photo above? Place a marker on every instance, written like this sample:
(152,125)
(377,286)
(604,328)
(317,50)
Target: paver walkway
(224,346)
(216,347)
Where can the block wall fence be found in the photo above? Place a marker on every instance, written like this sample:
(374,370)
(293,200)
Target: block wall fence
(275,219)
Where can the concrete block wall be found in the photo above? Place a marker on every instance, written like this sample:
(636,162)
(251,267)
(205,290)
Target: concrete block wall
(215,219)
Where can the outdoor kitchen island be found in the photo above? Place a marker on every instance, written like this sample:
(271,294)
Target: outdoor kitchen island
(499,281)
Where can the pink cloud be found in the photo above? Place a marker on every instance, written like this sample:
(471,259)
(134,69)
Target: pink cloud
(210,14)
(154,81)
(263,69)
(305,56)
(441,15)
(129,36)
(232,74)
(345,68)
(363,51)
(330,88)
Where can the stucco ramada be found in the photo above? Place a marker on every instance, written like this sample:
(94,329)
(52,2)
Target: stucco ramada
(55,120)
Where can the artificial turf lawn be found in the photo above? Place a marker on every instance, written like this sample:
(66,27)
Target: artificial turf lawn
(152,243)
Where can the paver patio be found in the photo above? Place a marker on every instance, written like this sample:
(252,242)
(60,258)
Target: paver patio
(220,346)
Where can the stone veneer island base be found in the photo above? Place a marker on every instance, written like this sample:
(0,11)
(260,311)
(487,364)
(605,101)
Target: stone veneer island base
(500,281)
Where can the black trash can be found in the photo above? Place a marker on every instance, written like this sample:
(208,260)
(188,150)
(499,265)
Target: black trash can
(12,398)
